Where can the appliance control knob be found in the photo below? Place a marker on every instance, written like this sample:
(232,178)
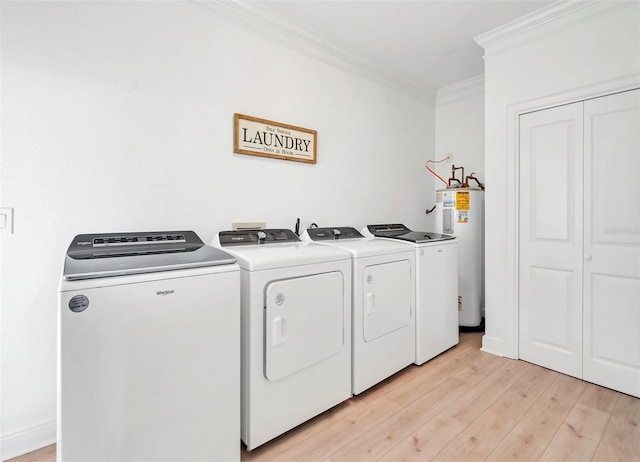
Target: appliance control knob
(261,237)
(336,234)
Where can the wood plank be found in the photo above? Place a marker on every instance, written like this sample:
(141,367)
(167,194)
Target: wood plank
(428,440)
(482,436)
(599,398)
(579,435)
(379,440)
(623,429)
(46,454)
(398,428)
(487,392)
(406,393)
(608,453)
(584,427)
(628,409)
(320,441)
(531,435)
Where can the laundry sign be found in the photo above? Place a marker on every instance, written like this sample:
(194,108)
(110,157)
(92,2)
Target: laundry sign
(266,138)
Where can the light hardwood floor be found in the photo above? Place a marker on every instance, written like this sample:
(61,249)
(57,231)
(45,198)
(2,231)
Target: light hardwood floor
(463,405)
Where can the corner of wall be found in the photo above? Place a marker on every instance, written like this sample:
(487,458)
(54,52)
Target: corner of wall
(460,90)
(493,345)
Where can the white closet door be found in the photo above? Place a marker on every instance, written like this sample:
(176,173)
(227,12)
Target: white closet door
(612,242)
(550,266)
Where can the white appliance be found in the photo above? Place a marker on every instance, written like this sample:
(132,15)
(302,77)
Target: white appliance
(148,350)
(436,286)
(383,303)
(296,329)
(460,211)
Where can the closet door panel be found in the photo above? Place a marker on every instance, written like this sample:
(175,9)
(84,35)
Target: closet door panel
(612,242)
(550,267)
(549,320)
(614,322)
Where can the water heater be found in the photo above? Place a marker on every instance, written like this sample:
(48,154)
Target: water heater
(460,211)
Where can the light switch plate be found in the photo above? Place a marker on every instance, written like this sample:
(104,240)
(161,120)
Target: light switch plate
(6,220)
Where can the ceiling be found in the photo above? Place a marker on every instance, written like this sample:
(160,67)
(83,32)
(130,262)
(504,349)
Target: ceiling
(426,44)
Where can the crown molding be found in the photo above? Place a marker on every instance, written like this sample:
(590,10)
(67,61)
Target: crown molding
(548,20)
(264,23)
(461,90)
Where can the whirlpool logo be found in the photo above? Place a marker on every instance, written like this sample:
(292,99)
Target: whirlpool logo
(163,293)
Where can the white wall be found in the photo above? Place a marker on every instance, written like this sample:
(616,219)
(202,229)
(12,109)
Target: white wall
(460,129)
(572,51)
(118,116)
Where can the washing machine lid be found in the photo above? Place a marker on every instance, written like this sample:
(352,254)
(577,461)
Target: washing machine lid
(401,232)
(279,248)
(358,247)
(102,255)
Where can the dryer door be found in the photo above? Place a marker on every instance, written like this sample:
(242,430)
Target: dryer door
(387,298)
(304,322)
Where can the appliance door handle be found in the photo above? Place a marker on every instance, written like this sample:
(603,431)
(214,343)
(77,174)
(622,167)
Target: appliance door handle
(278,330)
(370,303)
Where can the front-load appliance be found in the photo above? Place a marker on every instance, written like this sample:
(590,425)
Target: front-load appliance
(383,302)
(148,350)
(296,329)
(436,287)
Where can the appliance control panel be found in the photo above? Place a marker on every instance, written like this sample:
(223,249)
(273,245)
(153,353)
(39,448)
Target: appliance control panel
(330,234)
(393,229)
(256,236)
(109,245)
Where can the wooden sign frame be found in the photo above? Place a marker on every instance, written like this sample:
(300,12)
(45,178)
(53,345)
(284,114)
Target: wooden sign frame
(266,138)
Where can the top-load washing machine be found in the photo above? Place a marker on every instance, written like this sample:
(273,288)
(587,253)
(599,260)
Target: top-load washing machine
(436,286)
(383,302)
(296,329)
(148,350)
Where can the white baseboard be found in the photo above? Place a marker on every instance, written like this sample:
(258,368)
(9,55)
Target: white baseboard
(23,441)
(492,345)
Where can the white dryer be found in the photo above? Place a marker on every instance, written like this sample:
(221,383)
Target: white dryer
(383,303)
(296,329)
(148,350)
(436,286)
